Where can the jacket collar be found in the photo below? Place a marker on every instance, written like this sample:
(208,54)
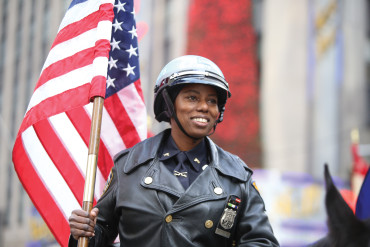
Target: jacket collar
(197,156)
(224,162)
(227,163)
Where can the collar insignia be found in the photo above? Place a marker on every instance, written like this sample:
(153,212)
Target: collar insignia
(183,174)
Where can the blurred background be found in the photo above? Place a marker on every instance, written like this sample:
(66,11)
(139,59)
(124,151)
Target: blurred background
(299,73)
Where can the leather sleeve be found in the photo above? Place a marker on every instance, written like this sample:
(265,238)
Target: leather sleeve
(106,229)
(254,228)
(107,221)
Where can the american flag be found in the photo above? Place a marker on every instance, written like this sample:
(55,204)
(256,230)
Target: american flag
(95,53)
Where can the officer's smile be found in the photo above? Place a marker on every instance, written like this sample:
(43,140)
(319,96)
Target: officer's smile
(200,120)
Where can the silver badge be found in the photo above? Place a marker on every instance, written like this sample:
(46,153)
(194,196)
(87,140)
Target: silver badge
(227,219)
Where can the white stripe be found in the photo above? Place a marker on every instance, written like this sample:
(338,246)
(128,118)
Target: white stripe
(74,145)
(107,1)
(79,11)
(100,66)
(70,47)
(104,30)
(109,133)
(61,84)
(135,108)
(79,43)
(48,173)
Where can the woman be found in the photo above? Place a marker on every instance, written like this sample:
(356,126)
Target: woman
(179,188)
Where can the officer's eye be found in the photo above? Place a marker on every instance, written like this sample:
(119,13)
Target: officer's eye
(192,98)
(213,101)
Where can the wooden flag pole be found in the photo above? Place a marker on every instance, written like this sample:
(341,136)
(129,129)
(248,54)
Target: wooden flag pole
(88,196)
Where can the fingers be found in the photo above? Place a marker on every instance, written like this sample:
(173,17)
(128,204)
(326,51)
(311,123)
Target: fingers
(94,212)
(82,223)
(81,230)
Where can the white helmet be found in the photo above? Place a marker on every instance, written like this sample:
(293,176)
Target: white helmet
(184,70)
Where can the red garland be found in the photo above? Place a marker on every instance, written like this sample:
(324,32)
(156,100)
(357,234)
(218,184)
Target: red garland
(222,31)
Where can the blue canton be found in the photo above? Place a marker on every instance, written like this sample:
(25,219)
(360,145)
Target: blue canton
(123,64)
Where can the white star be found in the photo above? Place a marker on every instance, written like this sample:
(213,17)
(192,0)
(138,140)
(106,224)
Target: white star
(133,32)
(117,25)
(112,63)
(120,6)
(132,51)
(133,11)
(114,44)
(110,82)
(129,70)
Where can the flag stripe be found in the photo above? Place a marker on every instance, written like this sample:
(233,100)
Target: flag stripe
(80,119)
(79,43)
(63,66)
(122,121)
(49,106)
(71,47)
(109,133)
(87,23)
(60,158)
(40,196)
(61,84)
(78,11)
(74,144)
(47,172)
(68,81)
(135,108)
(139,89)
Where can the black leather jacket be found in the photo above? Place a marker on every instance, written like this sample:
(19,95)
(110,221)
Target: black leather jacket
(147,206)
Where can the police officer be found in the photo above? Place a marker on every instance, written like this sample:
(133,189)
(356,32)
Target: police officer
(179,188)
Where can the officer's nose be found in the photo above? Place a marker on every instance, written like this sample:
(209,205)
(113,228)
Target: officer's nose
(202,106)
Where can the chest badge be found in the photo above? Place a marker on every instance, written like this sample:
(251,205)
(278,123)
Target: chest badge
(228,217)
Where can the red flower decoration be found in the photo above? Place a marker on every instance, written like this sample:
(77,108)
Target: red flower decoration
(223,32)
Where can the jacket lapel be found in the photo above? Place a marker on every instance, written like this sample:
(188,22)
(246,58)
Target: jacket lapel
(162,179)
(205,188)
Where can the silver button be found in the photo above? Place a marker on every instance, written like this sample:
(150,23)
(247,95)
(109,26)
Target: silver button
(218,191)
(148,180)
(204,167)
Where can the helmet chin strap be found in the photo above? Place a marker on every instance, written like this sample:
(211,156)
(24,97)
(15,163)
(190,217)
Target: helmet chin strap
(172,113)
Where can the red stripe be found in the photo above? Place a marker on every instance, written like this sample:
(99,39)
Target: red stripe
(61,158)
(139,89)
(102,48)
(82,122)
(78,60)
(40,196)
(56,104)
(89,22)
(105,161)
(121,120)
